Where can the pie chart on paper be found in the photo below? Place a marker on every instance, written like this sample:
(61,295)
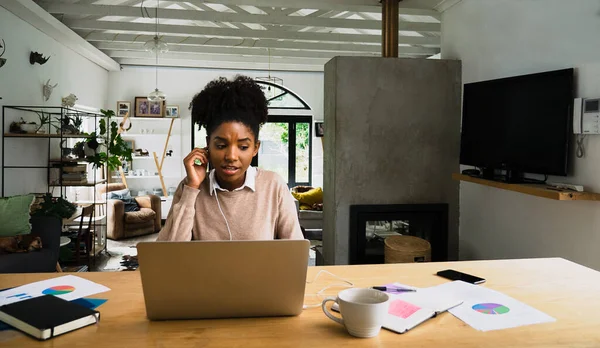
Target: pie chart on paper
(58,290)
(491,308)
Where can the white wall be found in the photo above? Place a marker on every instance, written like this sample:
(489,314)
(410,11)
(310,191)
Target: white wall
(21,84)
(181,84)
(498,38)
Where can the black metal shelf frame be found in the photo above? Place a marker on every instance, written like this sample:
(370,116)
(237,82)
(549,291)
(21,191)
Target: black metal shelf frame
(61,113)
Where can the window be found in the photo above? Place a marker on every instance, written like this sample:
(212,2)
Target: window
(286,148)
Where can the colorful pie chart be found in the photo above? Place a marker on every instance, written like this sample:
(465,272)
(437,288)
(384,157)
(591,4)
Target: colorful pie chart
(491,308)
(58,290)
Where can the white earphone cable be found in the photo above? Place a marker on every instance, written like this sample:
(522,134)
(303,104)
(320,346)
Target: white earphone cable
(221,210)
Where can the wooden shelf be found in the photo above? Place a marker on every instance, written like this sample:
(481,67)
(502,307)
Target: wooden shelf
(145,118)
(44,136)
(124,135)
(89,183)
(152,158)
(538,190)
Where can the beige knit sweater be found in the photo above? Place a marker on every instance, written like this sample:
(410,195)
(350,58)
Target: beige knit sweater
(267,213)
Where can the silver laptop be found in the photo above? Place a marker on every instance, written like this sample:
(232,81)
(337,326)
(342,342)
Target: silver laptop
(223,279)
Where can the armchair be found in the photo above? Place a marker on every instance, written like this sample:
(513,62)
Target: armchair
(121,224)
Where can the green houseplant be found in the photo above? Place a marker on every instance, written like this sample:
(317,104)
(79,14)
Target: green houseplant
(105,147)
(55,206)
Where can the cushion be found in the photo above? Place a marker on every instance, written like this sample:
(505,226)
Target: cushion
(309,198)
(124,195)
(143,215)
(114,193)
(14,214)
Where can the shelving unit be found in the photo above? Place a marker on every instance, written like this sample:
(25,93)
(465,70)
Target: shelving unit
(538,190)
(157,135)
(21,149)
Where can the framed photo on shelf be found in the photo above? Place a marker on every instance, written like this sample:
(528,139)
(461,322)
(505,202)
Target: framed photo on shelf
(124,108)
(147,108)
(172,111)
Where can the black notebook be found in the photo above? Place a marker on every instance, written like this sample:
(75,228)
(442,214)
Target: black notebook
(47,316)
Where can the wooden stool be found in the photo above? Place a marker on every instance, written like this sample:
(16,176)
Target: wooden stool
(406,249)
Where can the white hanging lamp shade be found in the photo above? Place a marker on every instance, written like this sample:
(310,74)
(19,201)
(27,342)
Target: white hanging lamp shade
(157,95)
(156,45)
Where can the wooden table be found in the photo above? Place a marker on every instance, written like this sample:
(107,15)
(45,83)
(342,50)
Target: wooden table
(562,289)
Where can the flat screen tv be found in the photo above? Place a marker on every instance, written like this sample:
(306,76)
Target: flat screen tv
(519,124)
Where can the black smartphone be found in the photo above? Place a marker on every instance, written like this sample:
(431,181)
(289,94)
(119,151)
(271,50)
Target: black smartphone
(456,275)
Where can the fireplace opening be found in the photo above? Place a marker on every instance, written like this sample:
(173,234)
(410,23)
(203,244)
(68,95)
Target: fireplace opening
(371,224)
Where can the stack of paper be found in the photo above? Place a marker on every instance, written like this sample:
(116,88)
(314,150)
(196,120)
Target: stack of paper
(67,287)
(485,309)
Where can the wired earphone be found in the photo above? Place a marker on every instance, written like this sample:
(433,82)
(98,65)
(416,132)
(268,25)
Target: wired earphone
(221,210)
(198,162)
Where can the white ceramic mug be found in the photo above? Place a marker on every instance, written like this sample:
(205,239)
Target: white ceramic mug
(363,310)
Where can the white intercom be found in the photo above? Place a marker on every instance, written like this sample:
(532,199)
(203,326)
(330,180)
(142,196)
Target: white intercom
(586,116)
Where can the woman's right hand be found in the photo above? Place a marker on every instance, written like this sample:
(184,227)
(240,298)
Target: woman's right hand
(196,173)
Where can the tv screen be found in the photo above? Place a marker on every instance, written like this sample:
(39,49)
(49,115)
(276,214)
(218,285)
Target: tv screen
(520,124)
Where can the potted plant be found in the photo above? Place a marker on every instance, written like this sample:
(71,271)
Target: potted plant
(105,147)
(55,206)
(23,126)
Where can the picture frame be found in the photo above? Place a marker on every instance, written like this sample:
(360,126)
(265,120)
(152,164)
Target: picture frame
(147,108)
(319,129)
(123,108)
(172,111)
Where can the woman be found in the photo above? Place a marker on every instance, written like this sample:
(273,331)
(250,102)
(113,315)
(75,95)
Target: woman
(233,201)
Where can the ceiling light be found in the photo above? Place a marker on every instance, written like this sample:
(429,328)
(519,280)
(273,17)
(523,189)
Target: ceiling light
(157,46)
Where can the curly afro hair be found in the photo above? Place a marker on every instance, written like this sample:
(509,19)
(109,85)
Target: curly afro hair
(237,100)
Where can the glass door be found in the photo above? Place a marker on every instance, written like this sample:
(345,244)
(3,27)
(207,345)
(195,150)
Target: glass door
(286,148)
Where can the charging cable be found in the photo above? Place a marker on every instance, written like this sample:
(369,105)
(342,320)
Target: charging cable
(221,210)
(580,148)
(319,294)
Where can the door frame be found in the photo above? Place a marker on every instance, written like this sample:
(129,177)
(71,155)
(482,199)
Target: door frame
(291,120)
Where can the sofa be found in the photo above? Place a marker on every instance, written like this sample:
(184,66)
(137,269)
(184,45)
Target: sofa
(121,224)
(44,260)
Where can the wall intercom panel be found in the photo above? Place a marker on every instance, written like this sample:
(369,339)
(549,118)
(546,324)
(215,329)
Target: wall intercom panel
(586,116)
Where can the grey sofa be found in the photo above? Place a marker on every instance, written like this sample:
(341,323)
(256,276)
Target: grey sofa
(49,229)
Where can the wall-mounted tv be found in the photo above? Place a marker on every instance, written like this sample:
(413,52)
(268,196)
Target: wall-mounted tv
(520,124)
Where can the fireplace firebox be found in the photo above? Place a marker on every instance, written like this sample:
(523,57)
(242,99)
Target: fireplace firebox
(371,224)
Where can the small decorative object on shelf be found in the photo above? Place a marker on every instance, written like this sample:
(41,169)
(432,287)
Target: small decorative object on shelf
(69,101)
(172,111)
(23,127)
(123,108)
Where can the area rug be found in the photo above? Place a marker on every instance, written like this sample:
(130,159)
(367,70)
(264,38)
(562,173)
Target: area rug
(130,263)
(118,254)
